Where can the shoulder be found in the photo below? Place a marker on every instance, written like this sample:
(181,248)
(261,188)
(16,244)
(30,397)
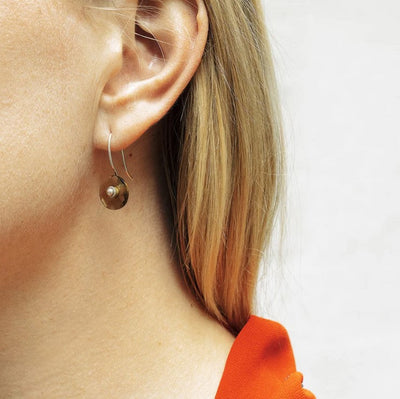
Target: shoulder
(261,365)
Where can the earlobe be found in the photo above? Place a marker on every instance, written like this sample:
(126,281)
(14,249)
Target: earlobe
(156,65)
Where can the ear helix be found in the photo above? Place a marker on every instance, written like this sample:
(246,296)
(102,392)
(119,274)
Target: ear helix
(114,192)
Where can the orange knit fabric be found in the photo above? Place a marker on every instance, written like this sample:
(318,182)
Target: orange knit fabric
(261,365)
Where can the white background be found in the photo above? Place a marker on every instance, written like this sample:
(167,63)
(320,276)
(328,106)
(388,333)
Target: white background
(338,66)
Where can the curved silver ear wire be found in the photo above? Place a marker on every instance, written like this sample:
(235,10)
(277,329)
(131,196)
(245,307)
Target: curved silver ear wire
(126,169)
(109,154)
(111,161)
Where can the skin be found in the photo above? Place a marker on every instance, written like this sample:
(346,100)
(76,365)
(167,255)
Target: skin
(92,304)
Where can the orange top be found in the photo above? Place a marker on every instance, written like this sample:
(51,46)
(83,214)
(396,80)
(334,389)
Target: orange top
(261,365)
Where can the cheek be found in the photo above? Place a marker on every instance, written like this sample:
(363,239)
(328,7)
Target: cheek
(47,110)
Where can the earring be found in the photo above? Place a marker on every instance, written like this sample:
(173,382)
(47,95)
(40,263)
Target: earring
(114,192)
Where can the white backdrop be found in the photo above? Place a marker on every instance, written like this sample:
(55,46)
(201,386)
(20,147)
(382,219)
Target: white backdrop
(338,65)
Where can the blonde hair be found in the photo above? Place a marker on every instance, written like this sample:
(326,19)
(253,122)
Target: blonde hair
(224,160)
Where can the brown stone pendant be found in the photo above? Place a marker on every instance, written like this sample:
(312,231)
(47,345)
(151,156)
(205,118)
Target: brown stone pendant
(114,193)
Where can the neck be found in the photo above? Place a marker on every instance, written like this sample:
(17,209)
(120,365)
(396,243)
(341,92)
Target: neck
(100,310)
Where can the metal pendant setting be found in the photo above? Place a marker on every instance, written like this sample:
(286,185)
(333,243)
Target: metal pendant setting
(114,192)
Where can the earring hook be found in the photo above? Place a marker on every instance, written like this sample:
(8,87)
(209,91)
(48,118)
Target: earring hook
(111,160)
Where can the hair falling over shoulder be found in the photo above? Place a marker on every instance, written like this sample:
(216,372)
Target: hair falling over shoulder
(224,161)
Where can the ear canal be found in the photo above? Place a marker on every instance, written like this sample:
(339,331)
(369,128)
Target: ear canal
(149,51)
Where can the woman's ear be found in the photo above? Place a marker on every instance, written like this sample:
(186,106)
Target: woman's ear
(161,46)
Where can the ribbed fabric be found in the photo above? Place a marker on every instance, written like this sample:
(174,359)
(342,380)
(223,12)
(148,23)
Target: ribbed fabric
(261,365)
